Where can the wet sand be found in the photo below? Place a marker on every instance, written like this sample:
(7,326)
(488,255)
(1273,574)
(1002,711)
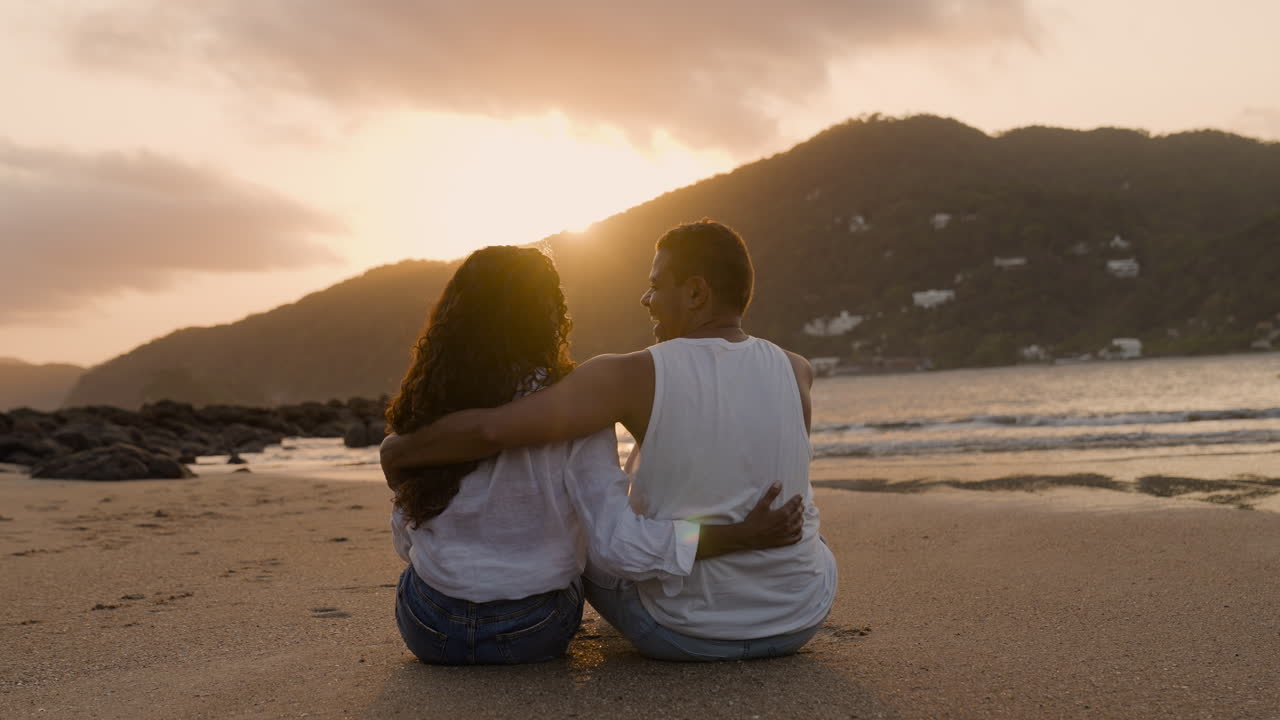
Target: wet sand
(257,595)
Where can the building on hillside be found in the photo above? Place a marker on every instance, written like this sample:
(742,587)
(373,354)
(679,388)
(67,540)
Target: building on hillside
(1126,268)
(833,326)
(932,298)
(1122,349)
(1080,248)
(940,221)
(1007,263)
(858,224)
(1120,243)
(1035,353)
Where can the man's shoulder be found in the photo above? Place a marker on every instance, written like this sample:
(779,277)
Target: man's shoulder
(625,363)
(800,365)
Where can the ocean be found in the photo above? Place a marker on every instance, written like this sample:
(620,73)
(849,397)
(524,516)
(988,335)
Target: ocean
(1215,415)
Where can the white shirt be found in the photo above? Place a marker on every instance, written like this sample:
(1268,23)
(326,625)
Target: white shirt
(727,422)
(521,522)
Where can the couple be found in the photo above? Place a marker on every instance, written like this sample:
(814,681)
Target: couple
(694,565)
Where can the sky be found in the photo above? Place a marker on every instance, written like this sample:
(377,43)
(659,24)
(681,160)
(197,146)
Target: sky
(167,163)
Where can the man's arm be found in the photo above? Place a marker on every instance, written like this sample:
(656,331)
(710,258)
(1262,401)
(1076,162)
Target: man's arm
(804,382)
(604,390)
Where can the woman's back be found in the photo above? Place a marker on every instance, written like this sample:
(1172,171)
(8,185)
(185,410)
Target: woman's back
(510,532)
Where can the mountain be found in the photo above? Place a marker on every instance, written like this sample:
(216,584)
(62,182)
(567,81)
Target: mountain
(1039,236)
(41,387)
(350,340)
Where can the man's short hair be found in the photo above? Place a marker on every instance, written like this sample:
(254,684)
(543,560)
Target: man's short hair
(715,252)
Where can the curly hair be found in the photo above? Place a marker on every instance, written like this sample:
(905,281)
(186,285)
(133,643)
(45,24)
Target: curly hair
(499,330)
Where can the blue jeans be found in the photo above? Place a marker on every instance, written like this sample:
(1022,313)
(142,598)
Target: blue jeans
(618,601)
(442,630)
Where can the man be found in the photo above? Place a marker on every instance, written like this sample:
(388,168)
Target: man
(719,416)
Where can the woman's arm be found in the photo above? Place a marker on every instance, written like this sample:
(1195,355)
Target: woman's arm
(636,547)
(763,528)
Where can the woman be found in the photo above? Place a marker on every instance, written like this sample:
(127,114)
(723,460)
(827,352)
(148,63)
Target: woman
(496,548)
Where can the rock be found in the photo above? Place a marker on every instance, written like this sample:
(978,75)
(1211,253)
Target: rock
(314,419)
(27,449)
(247,438)
(33,422)
(241,470)
(356,436)
(235,459)
(6,424)
(332,429)
(85,435)
(364,434)
(167,412)
(114,462)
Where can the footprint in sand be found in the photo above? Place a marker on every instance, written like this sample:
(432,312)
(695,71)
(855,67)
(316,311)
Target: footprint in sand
(328,613)
(262,568)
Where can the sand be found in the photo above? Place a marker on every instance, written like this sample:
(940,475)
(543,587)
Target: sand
(257,595)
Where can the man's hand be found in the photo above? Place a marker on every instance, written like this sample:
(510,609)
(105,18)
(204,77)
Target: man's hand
(761,529)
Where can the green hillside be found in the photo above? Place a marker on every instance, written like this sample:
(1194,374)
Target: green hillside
(350,340)
(857,219)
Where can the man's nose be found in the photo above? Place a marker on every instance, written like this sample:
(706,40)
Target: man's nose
(644,299)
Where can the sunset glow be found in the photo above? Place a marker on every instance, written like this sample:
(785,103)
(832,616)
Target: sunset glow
(306,168)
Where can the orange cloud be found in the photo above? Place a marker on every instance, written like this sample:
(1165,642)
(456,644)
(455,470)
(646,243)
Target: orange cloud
(76,227)
(711,73)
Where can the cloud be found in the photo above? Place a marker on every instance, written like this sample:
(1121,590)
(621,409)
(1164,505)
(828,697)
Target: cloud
(75,227)
(711,73)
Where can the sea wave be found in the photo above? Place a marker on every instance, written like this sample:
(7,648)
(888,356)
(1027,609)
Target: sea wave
(1035,420)
(1093,441)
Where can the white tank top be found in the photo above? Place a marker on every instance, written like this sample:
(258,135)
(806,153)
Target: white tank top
(727,422)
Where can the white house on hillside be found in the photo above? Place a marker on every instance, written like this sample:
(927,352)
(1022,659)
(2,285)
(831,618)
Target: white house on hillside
(1035,353)
(932,298)
(1122,349)
(940,221)
(1120,243)
(1127,268)
(832,326)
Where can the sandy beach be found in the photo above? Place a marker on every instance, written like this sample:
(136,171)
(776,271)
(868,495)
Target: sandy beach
(259,595)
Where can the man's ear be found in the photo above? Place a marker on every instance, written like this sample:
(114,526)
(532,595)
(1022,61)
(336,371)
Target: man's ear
(697,293)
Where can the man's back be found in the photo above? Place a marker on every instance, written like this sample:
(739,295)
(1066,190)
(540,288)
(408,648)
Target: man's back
(727,422)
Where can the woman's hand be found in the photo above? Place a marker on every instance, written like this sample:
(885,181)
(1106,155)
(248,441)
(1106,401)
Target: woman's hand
(763,528)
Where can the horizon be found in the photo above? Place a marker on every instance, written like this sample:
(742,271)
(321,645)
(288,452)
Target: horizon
(285,172)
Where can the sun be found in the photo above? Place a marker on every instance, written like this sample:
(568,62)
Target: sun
(518,181)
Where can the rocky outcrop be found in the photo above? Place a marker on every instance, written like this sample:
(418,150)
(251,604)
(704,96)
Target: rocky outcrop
(180,431)
(118,461)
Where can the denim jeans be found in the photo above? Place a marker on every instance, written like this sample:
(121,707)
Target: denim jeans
(618,601)
(442,630)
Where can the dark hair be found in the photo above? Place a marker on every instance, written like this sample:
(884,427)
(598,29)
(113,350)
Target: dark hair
(716,253)
(499,329)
